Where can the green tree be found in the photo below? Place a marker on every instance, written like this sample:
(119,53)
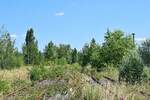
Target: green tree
(9,56)
(86,53)
(92,49)
(131,69)
(30,48)
(85,56)
(74,56)
(97,58)
(64,52)
(50,52)
(116,46)
(145,51)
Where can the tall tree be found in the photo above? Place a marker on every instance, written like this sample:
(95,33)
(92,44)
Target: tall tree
(74,56)
(116,46)
(30,48)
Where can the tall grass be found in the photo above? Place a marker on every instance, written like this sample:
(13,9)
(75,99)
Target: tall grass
(14,74)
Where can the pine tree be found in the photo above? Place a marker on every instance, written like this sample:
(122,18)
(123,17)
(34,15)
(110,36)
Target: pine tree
(30,48)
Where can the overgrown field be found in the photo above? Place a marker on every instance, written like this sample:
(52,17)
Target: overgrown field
(66,82)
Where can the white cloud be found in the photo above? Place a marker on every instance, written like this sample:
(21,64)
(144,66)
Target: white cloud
(140,39)
(59,14)
(14,36)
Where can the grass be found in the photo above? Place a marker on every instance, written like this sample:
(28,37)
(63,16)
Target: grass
(15,74)
(78,85)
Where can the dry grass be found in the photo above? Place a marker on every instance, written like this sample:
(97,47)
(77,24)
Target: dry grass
(15,74)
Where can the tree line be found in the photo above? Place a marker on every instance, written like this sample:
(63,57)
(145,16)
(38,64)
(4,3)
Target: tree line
(116,45)
(115,50)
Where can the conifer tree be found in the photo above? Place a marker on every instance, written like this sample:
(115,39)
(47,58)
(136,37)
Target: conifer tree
(30,48)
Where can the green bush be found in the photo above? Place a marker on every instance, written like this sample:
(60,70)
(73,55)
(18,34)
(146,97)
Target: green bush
(131,69)
(61,61)
(146,75)
(4,86)
(38,73)
(42,73)
(56,72)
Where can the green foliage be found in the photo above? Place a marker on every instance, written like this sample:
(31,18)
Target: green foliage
(9,56)
(40,58)
(75,67)
(97,58)
(145,52)
(50,52)
(146,75)
(110,71)
(116,46)
(38,73)
(84,56)
(4,86)
(112,51)
(131,69)
(64,51)
(30,49)
(42,73)
(56,72)
(74,56)
(61,61)
(86,53)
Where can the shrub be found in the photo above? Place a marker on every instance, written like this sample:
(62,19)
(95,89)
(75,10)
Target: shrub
(4,86)
(56,71)
(131,69)
(38,73)
(146,75)
(42,73)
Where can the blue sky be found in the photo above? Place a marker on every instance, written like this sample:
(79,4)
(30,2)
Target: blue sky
(74,21)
